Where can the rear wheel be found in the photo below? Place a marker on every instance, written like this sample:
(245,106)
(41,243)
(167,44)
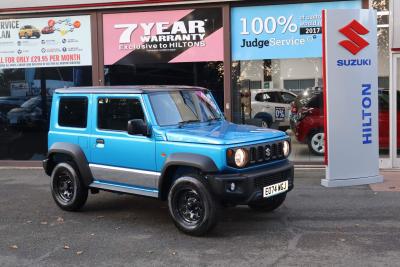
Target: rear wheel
(268,204)
(66,187)
(316,142)
(192,207)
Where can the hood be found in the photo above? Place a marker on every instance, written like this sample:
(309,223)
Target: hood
(220,133)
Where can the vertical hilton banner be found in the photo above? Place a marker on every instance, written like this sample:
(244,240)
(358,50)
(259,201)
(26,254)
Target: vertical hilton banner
(351,97)
(191,35)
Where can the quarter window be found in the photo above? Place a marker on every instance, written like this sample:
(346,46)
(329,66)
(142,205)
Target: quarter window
(288,98)
(114,113)
(72,112)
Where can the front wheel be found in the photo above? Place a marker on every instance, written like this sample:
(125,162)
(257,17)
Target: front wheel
(268,204)
(67,189)
(192,207)
(265,124)
(316,143)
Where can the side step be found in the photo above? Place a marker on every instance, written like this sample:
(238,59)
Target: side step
(123,188)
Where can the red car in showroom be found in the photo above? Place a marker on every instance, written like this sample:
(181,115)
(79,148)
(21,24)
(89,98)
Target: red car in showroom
(307,119)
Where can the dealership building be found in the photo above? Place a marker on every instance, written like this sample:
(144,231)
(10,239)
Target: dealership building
(243,51)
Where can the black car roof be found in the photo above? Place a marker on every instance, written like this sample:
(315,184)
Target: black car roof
(134,89)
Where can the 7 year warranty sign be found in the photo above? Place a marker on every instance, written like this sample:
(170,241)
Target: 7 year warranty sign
(45,42)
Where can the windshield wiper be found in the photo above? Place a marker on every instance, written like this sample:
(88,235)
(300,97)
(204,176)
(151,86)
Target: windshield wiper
(181,123)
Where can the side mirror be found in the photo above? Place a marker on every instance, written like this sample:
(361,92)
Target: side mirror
(138,127)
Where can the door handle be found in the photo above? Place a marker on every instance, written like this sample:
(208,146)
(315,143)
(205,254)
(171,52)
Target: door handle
(99,143)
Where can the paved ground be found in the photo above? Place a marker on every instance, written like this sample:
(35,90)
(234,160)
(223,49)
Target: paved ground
(315,227)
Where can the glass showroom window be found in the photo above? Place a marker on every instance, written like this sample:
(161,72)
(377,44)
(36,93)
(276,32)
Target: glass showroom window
(25,101)
(38,55)
(187,50)
(277,71)
(382,7)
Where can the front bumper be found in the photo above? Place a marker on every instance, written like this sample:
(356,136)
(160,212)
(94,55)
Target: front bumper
(249,185)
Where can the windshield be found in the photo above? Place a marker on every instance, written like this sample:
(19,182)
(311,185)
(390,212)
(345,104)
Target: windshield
(171,108)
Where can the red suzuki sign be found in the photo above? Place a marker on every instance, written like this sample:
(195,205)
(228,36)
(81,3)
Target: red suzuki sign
(355,42)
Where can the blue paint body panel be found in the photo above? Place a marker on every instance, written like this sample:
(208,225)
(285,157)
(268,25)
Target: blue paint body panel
(120,149)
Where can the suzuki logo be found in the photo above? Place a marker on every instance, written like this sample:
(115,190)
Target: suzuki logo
(267,152)
(356,43)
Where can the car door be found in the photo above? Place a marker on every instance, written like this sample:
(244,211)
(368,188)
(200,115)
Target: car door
(287,98)
(257,104)
(118,157)
(275,106)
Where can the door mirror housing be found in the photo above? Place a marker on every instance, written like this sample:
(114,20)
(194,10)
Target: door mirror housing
(138,127)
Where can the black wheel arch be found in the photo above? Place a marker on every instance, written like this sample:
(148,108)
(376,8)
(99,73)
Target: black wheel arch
(66,152)
(181,163)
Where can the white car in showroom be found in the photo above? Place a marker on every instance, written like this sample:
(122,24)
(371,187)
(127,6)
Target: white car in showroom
(272,105)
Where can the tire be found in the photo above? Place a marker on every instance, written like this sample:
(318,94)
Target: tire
(192,207)
(265,124)
(266,119)
(316,143)
(66,187)
(268,204)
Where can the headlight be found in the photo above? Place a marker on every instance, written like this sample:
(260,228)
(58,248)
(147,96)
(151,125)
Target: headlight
(286,148)
(241,157)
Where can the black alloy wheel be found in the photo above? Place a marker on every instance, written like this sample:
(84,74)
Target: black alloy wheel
(66,187)
(191,206)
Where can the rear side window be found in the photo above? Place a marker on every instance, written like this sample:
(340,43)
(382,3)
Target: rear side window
(114,113)
(72,112)
(274,97)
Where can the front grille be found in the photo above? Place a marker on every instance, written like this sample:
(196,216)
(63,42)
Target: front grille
(259,153)
(261,182)
(265,152)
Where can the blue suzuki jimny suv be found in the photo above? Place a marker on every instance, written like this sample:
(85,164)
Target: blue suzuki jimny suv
(166,142)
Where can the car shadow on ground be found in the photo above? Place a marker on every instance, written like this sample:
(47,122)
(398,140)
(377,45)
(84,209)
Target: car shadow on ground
(132,210)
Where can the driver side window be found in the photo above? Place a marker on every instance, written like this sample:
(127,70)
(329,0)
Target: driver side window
(114,113)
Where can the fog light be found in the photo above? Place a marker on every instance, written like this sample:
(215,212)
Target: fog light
(233,187)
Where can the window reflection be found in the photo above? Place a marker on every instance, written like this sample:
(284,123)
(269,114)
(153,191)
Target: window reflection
(25,103)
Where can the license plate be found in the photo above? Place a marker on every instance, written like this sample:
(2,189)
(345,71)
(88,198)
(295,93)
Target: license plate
(275,189)
(280,113)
